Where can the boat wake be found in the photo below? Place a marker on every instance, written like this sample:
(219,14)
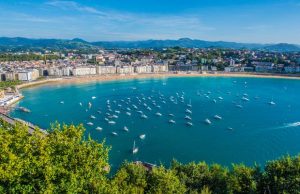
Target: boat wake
(290,125)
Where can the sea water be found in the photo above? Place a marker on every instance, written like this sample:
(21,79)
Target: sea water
(251,130)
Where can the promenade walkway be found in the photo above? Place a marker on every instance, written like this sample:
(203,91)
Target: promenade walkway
(13,121)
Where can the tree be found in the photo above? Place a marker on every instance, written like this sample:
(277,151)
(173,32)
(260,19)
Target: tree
(130,178)
(63,161)
(60,162)
(163,181)
(243,179)
(282,176)
(197,176)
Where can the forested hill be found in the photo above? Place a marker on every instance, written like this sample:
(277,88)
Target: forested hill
(64,161)
(20,43)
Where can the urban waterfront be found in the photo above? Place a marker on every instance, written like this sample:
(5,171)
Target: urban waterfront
(234,120)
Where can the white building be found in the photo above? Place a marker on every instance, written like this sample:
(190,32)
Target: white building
(231,62)
(102,70)
(143,69)
(159,68)
(213,68)
(204,68)
(10,76)
(80,71)
(55,71)
(66,71)
(292,69)
(263,66)
(155,68)
(28,75)
(125,70)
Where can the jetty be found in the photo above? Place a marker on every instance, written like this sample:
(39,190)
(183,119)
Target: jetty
(13,121)
(146,165)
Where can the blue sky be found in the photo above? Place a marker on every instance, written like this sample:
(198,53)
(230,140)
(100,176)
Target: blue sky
(255,21)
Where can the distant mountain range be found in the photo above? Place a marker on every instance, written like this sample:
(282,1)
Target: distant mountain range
(56,44)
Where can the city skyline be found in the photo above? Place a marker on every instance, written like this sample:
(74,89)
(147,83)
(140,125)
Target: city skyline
(227,20)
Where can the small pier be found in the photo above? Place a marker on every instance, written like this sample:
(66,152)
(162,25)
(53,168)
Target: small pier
(13,121)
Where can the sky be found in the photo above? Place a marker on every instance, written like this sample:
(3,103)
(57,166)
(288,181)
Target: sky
(248,21)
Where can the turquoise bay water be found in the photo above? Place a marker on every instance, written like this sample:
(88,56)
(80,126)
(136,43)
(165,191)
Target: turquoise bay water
(258,131)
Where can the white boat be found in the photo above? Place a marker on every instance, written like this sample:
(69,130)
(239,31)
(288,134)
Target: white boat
(245,99)
(111,122)
(144,116)
(189,123)
(128,113)
(214,100)
(80,103)
(92,117)
(207,121)
(62,102)
(230,128)
(221,98)
(94,97)
(187,117)
(23,109)
(148,108)
(189,104)
(98,128)
(115,116)
(239,106)
(126,129)
(134,149)
(90,105)
(114,133)
(143,136)
(117,111)
(188,111)
(272,103)
(90,123)
(171,115)
(98,111)
(218,117)
(158,114)
(172,121)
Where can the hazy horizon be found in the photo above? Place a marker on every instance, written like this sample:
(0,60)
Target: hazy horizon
(261,22)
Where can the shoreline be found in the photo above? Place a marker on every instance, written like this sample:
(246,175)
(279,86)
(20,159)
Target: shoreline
(104,78)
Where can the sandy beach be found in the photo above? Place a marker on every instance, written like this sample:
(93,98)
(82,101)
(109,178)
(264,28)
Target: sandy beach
(102,78)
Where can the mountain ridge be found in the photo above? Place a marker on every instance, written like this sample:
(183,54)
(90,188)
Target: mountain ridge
(78,43)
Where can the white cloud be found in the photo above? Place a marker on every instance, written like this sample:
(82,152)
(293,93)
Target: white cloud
(123,25)
(260,27)
(71,5)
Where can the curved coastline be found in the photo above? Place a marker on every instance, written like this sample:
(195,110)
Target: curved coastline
(104,78)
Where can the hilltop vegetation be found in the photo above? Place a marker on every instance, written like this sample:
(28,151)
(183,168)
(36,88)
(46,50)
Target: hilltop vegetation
(9,84)
(26,57)
(64,161)
(27,44)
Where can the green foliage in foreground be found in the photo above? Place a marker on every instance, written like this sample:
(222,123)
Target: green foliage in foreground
(26,57)
(8,84)
(64,162)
